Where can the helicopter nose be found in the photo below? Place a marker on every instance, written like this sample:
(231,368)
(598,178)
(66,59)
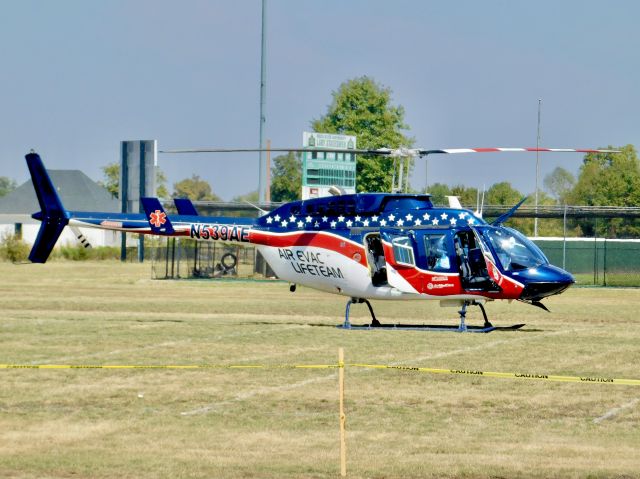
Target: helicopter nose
(544,281)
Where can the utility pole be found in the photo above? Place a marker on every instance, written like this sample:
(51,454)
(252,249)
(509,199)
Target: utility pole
(262,169)
(535,220)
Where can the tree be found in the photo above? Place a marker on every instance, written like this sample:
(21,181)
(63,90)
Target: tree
(609,179)
(194,188)
(468,195)
(559,183)
(439,193)
(546,226)
(7,185)
(363,108)
(161,184)
(286,178)
(251,197)
(112,180)
(502,194)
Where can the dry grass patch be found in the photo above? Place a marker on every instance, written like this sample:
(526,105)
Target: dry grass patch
(277,423)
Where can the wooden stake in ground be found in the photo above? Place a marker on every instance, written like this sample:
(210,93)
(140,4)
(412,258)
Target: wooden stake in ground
(343,418)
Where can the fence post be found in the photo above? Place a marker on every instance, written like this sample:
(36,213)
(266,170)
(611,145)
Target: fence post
(564,242)
(179,257)
(604,263)
(343,418)
(173,257)
(166,260)
(595,253)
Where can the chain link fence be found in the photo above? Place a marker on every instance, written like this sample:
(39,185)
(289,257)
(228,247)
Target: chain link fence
(600,259)
(180,258)
(598,245)
(595,261)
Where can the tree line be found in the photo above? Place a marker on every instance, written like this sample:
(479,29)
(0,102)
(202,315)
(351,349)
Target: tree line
(364,108)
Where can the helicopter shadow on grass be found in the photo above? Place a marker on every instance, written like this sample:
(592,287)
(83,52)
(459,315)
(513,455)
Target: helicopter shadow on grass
(286,323)
(397,326)
(159,320)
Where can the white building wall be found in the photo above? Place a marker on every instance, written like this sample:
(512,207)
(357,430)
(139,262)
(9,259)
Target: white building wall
(30,230)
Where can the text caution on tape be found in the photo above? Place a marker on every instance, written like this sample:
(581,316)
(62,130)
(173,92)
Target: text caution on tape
(465,372)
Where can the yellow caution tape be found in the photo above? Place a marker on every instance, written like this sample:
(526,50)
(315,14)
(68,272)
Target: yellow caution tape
(492,374)
(168,366)
(466,372)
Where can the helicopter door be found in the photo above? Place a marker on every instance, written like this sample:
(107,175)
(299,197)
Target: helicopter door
(472,256)
(375,258)
(400,255)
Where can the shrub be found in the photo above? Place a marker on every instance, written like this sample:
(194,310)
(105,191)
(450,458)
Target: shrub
(74,253)
(80,253)
(13,248)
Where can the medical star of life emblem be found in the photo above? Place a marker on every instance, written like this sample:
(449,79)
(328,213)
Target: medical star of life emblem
(157,218)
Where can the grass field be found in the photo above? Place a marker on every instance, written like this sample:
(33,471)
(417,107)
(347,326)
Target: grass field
(276,423)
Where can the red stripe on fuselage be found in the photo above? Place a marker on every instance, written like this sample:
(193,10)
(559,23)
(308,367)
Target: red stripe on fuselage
(319,239)
(438,284)
(427,282)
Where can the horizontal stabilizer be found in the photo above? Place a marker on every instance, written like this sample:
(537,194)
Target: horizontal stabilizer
(185,207)
(158,219)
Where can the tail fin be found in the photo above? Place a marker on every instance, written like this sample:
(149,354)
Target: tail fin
(185,207)
(158,219)
(52,214)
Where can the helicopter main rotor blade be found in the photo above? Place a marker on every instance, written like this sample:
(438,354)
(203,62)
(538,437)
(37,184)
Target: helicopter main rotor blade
(396,152)
(512,150)
(382,151)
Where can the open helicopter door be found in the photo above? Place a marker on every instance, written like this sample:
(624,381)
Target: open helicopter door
(400,255)
(477,265)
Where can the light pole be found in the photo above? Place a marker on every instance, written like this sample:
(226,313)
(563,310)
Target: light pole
(535,220)
(262,169)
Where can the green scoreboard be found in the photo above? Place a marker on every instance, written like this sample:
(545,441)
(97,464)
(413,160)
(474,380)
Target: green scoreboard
(322,170)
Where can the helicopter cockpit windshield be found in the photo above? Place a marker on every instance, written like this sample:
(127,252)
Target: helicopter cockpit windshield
(514,251)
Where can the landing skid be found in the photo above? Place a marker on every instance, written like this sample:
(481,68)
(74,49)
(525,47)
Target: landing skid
(461,328)
(433,327)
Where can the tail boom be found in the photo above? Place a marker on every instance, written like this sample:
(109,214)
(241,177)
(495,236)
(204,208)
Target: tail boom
(155,221)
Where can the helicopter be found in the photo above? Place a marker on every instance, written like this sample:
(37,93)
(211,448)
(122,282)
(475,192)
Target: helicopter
(365,246)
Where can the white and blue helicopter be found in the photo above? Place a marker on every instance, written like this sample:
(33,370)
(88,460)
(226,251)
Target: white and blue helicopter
(366,246)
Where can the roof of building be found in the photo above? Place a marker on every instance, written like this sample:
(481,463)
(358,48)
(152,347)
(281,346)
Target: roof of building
(77,192)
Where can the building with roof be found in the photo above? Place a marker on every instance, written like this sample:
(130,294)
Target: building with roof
(77,192)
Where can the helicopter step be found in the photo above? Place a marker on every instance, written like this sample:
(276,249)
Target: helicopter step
(462,327)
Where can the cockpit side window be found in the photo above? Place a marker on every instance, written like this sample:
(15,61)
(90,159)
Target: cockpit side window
(436,252)
(403,250)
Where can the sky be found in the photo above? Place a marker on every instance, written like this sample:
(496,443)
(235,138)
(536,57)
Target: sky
(78,77)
